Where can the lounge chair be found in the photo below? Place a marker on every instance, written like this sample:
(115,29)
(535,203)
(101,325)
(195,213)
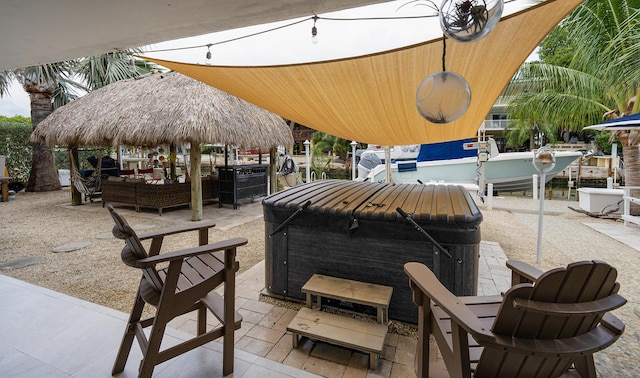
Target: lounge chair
(185,285)
(546,328)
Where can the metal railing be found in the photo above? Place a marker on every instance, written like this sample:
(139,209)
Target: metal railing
(628,200)
(314,176)
(495,124)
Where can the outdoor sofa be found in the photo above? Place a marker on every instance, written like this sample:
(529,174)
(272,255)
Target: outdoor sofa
(136,192)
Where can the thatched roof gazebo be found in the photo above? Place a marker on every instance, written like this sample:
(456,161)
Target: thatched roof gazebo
(167,108)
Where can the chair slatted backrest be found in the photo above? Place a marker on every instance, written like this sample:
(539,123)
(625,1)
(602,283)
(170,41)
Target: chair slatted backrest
(127,172)
(580,282)
(142,172)
(152,284)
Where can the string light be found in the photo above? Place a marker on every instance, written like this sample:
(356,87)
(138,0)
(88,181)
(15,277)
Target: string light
(312,18)
(314,31)
(208,52)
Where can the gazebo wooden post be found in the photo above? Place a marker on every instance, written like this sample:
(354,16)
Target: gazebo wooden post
(196,182)
(273,174)
(76,196)
(172,162)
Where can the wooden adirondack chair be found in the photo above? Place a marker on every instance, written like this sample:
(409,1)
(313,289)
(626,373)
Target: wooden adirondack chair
(546,328)
(185,285)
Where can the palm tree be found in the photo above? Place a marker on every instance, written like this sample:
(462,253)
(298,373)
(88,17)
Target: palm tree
(339,147)
(521,130)
(601,80)
(52,85)
(40,82)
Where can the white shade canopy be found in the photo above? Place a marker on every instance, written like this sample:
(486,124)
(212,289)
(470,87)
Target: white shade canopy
(35,32)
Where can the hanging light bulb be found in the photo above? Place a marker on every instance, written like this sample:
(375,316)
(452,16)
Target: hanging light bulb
(208,53)
(314,31)
(469,20)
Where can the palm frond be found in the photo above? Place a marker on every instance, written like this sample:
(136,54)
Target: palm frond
(101,70)
(43,78)
(5,80)
(604,72)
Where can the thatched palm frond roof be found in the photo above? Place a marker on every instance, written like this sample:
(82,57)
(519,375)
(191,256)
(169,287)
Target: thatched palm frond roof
(161,109)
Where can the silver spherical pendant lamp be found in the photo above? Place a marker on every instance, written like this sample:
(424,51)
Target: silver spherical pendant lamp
(469,20)
(443,97)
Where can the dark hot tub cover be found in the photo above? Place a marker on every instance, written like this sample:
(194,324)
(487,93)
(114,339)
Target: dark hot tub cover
(352,230)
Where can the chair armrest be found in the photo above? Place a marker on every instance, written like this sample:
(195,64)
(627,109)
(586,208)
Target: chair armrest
(577,346)
(430,286)
(189,252)
(176,230)
(602,305)
(613,323)
(521,272)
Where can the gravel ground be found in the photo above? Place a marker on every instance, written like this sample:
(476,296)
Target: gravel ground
(566,238)
(35,223)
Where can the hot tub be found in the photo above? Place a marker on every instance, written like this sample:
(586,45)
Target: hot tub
(352,230)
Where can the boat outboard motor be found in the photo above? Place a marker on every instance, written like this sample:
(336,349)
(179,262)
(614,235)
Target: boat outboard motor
(368,161)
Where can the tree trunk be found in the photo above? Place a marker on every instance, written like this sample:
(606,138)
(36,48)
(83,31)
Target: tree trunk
(532,144)
(43,176)
(196,182)
(632,171)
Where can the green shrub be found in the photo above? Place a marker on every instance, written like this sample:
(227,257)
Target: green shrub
(16,146)
(604,143)
(319,164)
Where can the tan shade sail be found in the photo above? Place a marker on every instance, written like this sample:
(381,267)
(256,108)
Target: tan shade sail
(371,98)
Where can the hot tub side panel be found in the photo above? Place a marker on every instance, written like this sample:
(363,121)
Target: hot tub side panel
(366,258)
(275,261)
(278,244)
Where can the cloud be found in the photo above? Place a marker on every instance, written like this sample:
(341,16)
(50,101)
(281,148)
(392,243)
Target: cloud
(16,102)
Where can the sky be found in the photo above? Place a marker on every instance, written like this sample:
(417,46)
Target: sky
(292,44)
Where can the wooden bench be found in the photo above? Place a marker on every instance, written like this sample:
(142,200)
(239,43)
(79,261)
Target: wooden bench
(340,330)
(363,293)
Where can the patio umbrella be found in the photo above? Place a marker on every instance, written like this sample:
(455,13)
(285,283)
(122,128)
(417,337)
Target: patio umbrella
(627,129)
(163,109)
(623,123)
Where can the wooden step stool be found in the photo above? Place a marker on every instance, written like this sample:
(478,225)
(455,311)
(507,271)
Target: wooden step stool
(340,330)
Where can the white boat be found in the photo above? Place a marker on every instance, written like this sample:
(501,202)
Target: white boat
(397,153)
(510,171)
